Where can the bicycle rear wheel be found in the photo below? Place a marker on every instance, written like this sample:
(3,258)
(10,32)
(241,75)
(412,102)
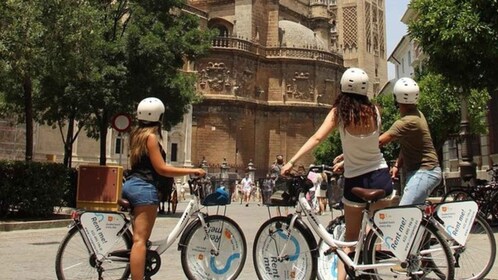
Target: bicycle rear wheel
(433,258)
(457,194)
(476,258)
(199,259)
(75,260)
(491,210)
(273,239)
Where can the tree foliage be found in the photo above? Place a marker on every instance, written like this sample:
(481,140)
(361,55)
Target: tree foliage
(89,60)
(460,38)
(329,149)
(21,56)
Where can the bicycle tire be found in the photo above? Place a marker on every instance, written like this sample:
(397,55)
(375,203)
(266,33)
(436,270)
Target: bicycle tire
(490,210)
(328,261)
(271,238)
(74,260)
(198,260)
(457,194)
(476,258)
(433,260)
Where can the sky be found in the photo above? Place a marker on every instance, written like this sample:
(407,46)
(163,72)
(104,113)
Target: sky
(395,29)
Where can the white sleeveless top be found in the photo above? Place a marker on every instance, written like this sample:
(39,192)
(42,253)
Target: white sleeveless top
(361,153)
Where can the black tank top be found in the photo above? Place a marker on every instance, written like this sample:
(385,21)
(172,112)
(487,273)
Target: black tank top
(144,170)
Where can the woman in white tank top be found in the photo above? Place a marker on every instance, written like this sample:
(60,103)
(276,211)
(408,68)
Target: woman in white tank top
(358,121)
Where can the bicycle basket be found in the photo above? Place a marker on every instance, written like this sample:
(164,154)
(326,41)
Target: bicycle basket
(209,195)
(286,190)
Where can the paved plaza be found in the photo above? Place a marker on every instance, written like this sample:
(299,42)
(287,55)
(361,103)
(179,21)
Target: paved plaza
(30,254)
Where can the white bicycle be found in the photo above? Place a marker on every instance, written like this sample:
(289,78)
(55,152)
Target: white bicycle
(98,243)
(411,247)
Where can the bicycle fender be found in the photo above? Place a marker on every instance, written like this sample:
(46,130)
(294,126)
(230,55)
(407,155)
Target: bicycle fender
(186,231)
(310,238)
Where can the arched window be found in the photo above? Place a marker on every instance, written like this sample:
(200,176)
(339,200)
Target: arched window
(222,30)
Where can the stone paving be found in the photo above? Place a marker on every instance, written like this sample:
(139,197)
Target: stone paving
(30,254)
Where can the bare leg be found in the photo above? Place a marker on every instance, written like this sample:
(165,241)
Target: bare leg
(145,216)
(353,216)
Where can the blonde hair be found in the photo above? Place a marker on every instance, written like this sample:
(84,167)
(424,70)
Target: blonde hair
(138,142)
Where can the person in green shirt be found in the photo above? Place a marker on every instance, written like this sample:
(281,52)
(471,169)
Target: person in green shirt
(417,156)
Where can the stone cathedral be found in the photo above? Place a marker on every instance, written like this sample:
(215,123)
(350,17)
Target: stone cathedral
(267,84)
(274,72)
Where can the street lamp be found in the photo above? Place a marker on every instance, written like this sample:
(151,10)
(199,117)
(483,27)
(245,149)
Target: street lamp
(204,164)
(251,170)
(467,165)
(224,171)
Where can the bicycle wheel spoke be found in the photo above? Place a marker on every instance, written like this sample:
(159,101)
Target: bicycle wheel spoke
(74,260)
(280,253)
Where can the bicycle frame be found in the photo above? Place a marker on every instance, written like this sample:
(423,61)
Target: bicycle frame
(354,264)
(96,239)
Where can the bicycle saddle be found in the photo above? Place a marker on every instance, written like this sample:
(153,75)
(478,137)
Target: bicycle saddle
(219,197)
(124,204)
(369,194)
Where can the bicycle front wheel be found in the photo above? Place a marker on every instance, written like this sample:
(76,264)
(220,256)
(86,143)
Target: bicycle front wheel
(432,260)
(476,258)
(282,252)
(75,260)
(201,261)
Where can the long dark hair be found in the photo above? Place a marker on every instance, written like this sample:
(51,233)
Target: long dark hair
(354,109)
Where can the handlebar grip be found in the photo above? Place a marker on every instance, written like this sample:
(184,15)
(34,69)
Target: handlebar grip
(321,168)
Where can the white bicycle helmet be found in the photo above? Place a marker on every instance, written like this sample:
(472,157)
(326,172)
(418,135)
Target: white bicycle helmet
(150,109)
(355,80)
(406,91)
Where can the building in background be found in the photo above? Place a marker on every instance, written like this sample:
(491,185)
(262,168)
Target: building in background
(267,84)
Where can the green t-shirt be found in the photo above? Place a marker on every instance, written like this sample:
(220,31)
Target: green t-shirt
(415,140)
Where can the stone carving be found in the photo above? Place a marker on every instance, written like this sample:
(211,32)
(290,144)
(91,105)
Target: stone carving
(300,87)
(216,76)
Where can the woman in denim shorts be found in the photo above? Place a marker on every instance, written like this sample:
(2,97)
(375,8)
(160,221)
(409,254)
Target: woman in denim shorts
(147,160)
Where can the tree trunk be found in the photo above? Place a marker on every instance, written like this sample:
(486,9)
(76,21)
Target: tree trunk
(28,111)
(103,137)
(68,147)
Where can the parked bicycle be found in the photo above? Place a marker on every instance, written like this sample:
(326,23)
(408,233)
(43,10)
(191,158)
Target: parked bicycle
(98,244)
(474,250)
(485,194)
(286,247)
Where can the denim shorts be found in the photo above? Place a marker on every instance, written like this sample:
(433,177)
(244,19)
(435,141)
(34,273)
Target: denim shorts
(377,179)
(139,192)
(419,185)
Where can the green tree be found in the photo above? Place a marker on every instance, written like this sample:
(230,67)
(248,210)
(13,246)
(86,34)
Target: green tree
(93,59)
(146,44)
(21,55)
(460,39)
(329,149)
(72,47)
